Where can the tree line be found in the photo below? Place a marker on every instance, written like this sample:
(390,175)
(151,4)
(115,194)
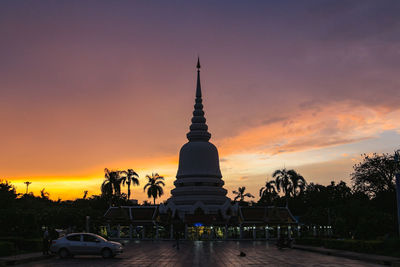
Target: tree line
(364,210)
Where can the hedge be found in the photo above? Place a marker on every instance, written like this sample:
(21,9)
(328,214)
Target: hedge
(19,245)
(6,248)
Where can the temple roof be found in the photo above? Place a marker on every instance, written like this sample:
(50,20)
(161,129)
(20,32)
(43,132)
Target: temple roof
(131,214)
(247,216)
(262,215)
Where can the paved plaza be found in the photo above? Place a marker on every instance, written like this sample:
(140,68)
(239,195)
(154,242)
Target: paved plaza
(200,253)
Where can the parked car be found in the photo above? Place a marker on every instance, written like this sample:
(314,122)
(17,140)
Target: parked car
(85,244)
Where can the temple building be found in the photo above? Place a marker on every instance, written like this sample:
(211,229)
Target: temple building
(198,207)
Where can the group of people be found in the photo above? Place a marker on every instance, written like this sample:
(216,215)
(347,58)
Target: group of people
(48,237)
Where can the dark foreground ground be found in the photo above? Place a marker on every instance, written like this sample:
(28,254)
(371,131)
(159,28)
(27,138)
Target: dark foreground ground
(199,253)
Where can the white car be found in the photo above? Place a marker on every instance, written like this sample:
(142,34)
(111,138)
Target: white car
(85,244)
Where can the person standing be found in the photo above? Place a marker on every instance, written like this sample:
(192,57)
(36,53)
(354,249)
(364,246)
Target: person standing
(176,233)
(46,242)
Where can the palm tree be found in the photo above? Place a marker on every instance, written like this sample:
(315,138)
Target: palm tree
(154,186)
(85,194)
(130,177)
(241,195)
(289,182)
(268,188)
(298,183)
(112,183)
(268,192)
(27,186)
(283,182)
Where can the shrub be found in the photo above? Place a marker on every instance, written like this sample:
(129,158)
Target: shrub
(31,245)
(6,248)
(22,244)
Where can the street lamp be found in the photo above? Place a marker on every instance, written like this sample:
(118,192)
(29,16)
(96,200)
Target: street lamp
(397,169)
(27,186)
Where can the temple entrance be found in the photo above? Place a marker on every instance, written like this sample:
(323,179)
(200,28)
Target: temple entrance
(200,232)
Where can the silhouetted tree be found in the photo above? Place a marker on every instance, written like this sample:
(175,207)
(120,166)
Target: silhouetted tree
(7,194)
(375,174)
(283,183)
(85,194)
(130,177)
(268,193)
(112,183)
(289,182)
(154,186)
(241,195)
(44,194)
(298,183)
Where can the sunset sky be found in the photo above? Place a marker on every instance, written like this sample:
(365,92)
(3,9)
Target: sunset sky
(86,85)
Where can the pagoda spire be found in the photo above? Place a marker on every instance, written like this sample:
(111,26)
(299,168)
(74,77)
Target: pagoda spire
(198,128)
(198,87)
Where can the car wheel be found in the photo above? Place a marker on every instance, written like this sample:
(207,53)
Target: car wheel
(106,253)
(63,253)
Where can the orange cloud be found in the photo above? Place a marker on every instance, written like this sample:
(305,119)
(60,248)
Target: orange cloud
(335,124)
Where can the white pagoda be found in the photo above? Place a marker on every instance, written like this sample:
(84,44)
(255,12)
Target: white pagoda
(198,183)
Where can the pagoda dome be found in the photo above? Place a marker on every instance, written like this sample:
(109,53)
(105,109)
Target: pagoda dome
(198,158)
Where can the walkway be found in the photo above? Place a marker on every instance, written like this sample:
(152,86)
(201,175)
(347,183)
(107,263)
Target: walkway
(198,253)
